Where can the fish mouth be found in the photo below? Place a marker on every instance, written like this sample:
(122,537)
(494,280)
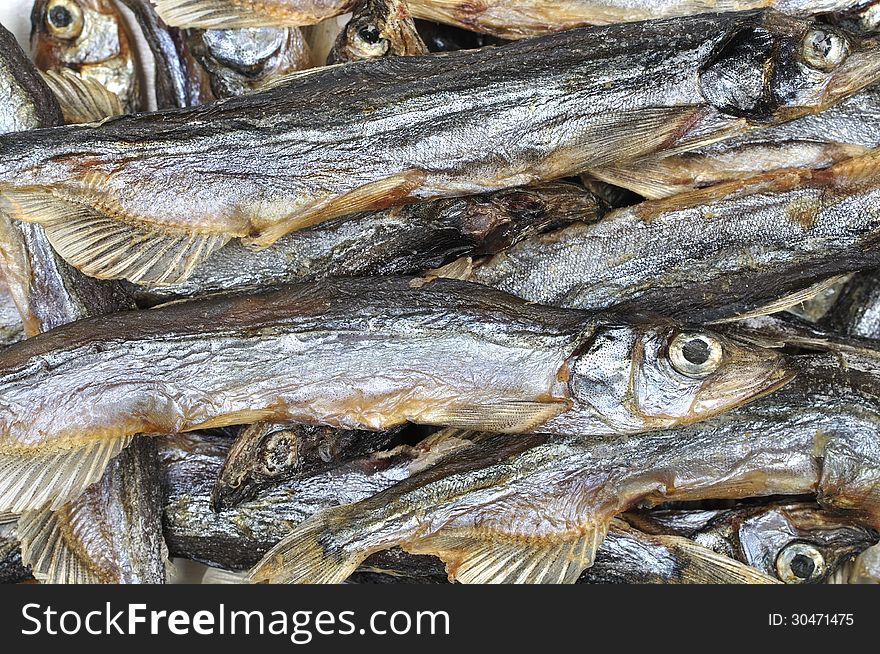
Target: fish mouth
(860,69)
(754,376)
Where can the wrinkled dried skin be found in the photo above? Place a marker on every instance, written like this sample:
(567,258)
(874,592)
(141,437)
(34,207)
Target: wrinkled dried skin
(707,254)
(770,538)
(399,241)
(848,129)
(361,354)
(408,128)
(378,28)
(179,81)
(265,454)
(90,38)
(237,537)
(241,61)
(516,19)
(819,435)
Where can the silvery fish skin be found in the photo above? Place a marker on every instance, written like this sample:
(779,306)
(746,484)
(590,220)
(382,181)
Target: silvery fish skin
(179,81)
(397,241)
(378,28)
(369,353)
(846,130)
(236,538)
(90,38)
(549,503)
(112,532)
(605,94)
(708,254)
(796,543)
(12,570)
(857,312)
(510,19)
(240,61)
(27,102)
(265,454)
(11,328)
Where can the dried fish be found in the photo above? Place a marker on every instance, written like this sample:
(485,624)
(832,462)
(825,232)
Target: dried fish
(708,254)
(367,353)
(378,28)
(88,37)
(146,198)
(524,510)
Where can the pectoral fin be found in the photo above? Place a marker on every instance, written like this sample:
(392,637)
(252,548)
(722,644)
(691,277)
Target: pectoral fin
(33,480)
(82,100)
(370,197)
(511,417)
(489,558)
(110,247)
(44,548)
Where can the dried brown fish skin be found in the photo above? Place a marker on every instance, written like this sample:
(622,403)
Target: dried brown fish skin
(265,454)
(462,145)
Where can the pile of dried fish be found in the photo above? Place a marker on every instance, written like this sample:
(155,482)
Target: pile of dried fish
(432,291)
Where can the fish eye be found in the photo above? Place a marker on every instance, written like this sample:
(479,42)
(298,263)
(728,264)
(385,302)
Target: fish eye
(823,49)
(695,354)
(64,19)
(800,563)
(371,40)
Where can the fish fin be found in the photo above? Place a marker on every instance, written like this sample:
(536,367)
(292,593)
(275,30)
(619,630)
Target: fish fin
(30,481)
(786,301)
(511,417)
(8,518)
(226,14)
(618,136)
(109,248)
(82,100)
(501,559)
(369,197)
(277,81)
(45,549)
(705,566)
(310,555)
(643,180)
(218,576)
(461,269)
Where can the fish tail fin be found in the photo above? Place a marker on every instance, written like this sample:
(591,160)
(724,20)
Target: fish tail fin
(45,548)
(493,558)
(31,481)
(313,553)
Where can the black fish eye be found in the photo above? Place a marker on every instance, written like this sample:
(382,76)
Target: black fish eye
(696,351)
(60,16)
(370,34)
(695,354)
(802,566)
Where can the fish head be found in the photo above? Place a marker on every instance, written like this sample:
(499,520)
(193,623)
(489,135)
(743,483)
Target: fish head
(378,28)
(88,37)
(799,543)
(778,68)
(644,377)
(263,453)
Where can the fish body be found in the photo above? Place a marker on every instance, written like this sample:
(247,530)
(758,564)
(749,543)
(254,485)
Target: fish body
(240,61)
(378,28)
(90,38)
(857,312)
(708,254)
(411,129)
(366,353)
(511,19)
(527,509)
(398,241)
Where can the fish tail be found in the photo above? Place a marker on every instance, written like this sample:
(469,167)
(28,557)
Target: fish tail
(313,553)
(695,564)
